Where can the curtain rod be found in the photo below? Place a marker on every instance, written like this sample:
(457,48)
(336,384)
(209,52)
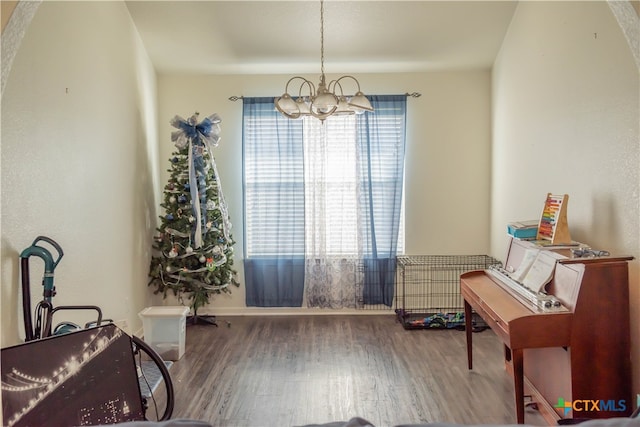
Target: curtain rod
(412,95)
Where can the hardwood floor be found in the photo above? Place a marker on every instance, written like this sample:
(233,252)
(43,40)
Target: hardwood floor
(296,370)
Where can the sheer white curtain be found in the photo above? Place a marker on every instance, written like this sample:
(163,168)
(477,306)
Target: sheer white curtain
(331,216)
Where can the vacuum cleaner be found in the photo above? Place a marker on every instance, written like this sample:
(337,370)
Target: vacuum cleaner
(44,309)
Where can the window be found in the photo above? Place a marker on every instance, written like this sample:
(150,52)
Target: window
(310,187)
(331,186)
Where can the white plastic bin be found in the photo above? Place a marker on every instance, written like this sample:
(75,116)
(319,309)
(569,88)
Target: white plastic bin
(165,329)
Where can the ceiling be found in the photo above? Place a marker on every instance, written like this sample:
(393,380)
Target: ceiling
(273,37)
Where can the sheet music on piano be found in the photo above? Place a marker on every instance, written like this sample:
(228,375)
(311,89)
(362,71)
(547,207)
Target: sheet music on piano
(535,270)
(529,280)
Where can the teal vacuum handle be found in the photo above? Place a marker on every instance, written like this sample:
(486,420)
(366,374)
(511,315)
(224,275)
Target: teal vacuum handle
(43,253)
(47,283)
(49,263)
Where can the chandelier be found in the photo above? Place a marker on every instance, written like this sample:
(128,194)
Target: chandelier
(327,99)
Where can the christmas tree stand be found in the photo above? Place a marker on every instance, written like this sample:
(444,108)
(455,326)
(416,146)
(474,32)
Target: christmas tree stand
(202,320)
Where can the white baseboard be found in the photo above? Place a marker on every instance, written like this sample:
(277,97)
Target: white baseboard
(288,311)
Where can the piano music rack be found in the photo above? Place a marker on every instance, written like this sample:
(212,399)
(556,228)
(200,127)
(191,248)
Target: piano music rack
(428,289)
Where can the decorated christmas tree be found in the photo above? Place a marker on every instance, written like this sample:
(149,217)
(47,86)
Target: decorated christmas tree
(193,250)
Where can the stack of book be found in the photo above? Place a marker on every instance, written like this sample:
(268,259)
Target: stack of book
(525,230)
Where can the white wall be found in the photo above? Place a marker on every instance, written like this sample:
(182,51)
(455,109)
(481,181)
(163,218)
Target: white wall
(448,153)
(566,120)
(79,161)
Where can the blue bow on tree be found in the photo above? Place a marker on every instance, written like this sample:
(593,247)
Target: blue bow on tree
(199,137)
(207,132)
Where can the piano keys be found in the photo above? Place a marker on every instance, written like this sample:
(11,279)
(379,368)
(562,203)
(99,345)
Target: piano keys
(577,348)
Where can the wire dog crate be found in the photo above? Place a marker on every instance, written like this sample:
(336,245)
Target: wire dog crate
(428,290)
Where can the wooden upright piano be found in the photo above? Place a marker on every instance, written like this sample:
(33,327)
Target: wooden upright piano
(576,351)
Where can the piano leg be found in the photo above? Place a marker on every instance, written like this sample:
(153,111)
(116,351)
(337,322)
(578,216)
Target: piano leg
(518,382)
(468,327)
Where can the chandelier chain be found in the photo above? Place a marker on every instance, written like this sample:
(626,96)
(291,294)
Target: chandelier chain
(327,99)
(322,37)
